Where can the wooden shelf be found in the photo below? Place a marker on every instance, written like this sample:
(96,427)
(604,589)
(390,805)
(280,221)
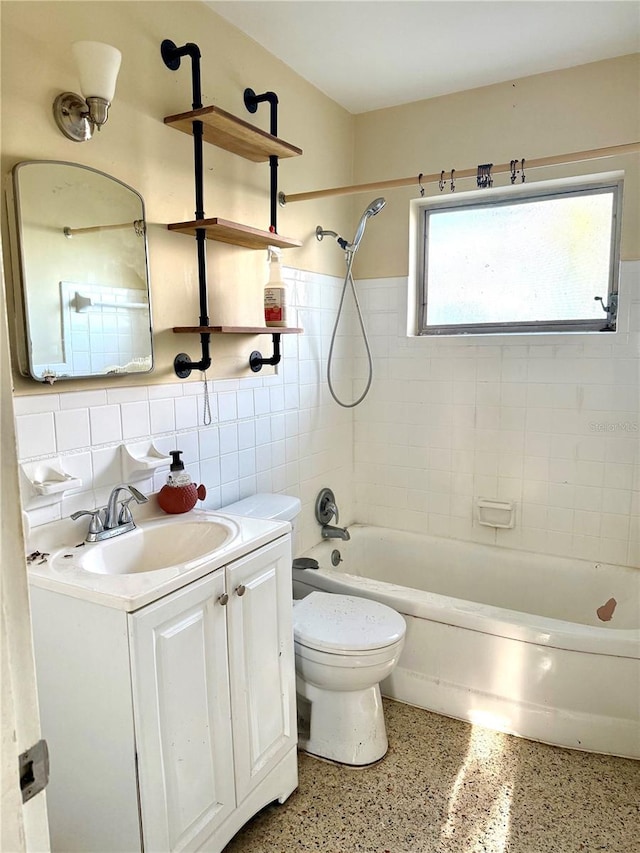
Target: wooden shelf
(238,330)
(233,134)
(225,231)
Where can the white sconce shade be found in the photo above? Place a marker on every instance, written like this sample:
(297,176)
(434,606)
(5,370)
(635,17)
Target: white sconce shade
(98,65)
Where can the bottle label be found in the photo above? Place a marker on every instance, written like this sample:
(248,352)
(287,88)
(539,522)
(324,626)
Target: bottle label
(273,304)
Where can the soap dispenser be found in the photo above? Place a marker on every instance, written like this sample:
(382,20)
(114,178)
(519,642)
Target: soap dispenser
(179,494)
(275,292)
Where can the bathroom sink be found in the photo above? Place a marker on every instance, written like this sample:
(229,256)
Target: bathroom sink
(156,546)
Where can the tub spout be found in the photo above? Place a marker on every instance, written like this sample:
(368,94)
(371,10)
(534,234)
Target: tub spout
(328,531)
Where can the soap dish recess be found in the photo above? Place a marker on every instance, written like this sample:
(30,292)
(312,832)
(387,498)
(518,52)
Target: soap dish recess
(492,513)
(141,459)
(45,482)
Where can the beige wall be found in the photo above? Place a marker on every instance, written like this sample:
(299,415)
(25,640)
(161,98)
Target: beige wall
(136,147)
(576,109)
(571,110)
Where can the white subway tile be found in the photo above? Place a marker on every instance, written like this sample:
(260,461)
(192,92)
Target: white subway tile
(35,435)
(137,394)
(36,404)
(135,419)
(228,438)
(72,429)
(162,415)
(83,399)
(246,407)
(105,424)
(208,443)
(186,412)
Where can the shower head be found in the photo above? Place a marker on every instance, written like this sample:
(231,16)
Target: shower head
(374,208)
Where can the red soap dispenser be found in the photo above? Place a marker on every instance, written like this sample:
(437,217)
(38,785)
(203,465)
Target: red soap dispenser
(179,494)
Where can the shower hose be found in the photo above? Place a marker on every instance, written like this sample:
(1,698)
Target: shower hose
(348,280)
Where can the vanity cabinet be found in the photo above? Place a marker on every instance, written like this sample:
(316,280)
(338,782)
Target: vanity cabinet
(170,726)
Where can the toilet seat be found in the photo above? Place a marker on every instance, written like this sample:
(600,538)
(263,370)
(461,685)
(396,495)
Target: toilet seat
(345,624)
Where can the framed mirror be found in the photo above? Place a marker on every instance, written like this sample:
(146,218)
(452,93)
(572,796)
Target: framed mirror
(79,240)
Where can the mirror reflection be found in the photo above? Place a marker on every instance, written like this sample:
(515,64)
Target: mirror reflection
(82,249)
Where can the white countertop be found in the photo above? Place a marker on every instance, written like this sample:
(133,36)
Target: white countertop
(60,571)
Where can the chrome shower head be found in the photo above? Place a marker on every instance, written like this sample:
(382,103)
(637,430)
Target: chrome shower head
(374,208)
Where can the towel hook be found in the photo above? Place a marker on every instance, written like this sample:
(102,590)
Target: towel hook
(420,185)
(442,181)
(484,178)
(453,186)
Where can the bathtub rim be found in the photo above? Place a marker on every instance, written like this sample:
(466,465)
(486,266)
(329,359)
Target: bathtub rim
(483,618)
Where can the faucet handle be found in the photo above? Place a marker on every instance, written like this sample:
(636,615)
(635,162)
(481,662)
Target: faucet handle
(125,512)
(326,507)
(95,525)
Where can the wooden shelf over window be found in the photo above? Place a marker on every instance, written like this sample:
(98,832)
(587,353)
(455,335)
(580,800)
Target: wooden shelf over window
(225,231)
(233,134)
(238,330)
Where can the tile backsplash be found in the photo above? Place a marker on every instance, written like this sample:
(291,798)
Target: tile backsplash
(549,422)
(276,433)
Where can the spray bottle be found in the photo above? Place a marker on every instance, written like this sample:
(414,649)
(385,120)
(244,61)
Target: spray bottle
(275,293)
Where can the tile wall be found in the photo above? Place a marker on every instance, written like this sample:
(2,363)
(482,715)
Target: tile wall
(552,424)
(274,433)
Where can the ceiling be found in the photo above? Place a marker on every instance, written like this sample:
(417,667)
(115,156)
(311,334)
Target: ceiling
(370,54)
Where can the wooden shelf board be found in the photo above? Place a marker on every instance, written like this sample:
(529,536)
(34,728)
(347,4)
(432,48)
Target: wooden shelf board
(225,231)
(233,134)
(238,330)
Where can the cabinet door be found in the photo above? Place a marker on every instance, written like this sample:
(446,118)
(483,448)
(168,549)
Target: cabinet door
(261,662)
(182,716)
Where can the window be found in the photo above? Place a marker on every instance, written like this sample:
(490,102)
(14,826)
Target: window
(529,258)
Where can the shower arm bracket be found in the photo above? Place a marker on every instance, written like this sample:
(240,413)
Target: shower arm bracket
(251,101)
(257,362)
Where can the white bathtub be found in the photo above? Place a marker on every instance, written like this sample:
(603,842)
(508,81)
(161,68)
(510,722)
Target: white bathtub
(502,638)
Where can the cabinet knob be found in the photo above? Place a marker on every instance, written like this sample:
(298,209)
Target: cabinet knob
(241,589)
(223,599)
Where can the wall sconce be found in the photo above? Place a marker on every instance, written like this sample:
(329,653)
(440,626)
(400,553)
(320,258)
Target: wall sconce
(98,65)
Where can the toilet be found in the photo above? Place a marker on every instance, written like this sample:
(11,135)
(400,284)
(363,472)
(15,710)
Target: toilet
(344,646)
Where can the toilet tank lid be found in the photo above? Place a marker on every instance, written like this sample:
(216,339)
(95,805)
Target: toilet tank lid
(273,507)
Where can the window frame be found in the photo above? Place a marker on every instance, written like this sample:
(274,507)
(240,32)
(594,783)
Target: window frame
(422,209)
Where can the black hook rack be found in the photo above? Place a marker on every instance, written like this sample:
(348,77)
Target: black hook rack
(171,56)
(257,362)
(251,101)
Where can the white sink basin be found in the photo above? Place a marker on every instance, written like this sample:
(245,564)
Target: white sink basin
(155,546)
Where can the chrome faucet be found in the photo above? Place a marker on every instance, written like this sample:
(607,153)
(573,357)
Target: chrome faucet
(330,532)
(326,509)
(107,521)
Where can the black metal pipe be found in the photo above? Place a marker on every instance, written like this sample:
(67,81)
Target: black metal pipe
(257,362)
(171,54)
(273,194)
(251,101)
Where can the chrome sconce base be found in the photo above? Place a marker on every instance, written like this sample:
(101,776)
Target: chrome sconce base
(77,118)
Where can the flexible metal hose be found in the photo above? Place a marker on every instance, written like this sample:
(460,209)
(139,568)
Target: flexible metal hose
(348,279)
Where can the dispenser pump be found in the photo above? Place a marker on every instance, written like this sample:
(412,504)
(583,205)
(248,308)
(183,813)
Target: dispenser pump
(177,474)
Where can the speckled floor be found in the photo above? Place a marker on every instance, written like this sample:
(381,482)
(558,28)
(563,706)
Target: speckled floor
(449,787)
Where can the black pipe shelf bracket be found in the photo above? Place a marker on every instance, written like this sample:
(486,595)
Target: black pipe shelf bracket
(251,101)
(257,362)
(172,55)
(215,126)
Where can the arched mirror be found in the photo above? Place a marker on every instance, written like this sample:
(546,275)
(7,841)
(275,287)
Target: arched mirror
(80,242)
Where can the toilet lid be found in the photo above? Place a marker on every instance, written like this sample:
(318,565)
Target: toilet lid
(324,620)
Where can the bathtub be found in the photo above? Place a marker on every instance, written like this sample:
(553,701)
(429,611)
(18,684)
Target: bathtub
(502,638)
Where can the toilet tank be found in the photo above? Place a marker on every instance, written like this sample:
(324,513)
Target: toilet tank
(272,507)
